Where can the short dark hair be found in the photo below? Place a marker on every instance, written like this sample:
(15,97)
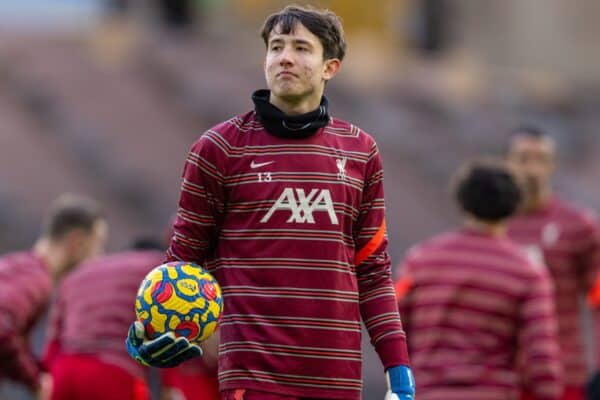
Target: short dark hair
(324,24)
(70,212)
(487,190)
(531,131)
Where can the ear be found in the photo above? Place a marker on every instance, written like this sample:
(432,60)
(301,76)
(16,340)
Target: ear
(331,68)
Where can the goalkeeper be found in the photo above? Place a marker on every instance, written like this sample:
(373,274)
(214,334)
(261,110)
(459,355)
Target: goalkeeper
(285,205)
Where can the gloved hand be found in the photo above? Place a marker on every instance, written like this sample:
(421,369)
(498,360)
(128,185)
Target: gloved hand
(400,383)
(163,352)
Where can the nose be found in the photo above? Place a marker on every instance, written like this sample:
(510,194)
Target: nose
(286,58)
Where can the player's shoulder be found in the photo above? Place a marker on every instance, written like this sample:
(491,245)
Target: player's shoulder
(352,134)
(226,133)
(128,259)
(119,265)
(575,214)
(16,259)
(431,245)
(345,129)
(241,124)
(517,255)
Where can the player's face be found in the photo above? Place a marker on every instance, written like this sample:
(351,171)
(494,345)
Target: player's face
(83,245)
(294,66)
(533,158)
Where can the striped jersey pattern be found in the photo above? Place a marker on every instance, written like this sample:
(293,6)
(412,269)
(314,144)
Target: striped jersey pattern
(294,231)
(472,306)
(25,288)
(94,307)
(567,240)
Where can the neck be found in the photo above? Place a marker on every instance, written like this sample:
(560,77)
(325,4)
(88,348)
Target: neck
(487,227)
(539,201)
(299,107)
(50,255)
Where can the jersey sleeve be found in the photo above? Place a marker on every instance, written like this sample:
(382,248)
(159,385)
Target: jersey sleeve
(378,305)
(17,361)
(201,202)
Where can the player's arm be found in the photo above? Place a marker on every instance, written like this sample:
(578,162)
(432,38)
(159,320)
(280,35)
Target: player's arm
(590,272)
(16,361)
(538,342)
(53,331)
(378,304)
(403,287)
(201,202)
(201,205)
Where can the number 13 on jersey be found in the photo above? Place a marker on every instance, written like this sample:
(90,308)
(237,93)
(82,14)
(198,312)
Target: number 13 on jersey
(264,177)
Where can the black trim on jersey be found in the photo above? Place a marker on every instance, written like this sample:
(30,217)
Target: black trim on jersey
(286,126)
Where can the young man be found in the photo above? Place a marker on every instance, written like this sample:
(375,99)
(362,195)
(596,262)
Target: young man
(285,205)
(564,238)
(74,230)
(92,309)
(473,304)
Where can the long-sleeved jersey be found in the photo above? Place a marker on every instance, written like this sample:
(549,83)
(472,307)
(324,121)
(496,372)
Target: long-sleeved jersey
(294,231)
(94,307)
(25,288)
(474,308)
(567,240)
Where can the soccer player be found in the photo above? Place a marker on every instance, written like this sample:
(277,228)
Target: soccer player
(74,230)
(92,309)
(473,304)
(561,236)
(195,379)
(285,205)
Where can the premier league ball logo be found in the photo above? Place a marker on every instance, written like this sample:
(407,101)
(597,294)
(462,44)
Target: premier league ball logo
(179,297)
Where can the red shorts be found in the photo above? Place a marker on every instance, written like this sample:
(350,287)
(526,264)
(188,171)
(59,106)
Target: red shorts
(193,386)
(248,394)
(570,393)
(85,377)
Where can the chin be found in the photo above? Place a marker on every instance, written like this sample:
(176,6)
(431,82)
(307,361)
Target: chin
(290,95)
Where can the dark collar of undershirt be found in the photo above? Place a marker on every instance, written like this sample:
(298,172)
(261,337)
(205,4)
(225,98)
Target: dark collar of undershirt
(288,126)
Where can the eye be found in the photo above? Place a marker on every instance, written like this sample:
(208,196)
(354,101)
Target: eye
(302,49)
(275,47)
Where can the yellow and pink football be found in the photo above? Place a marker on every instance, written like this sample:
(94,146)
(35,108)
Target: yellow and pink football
(182,298)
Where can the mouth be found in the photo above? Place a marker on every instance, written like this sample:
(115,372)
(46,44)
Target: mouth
(286,74)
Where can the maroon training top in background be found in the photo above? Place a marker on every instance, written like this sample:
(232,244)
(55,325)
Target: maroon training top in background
(567,240)
(95,306)
(472,306)
(25,288)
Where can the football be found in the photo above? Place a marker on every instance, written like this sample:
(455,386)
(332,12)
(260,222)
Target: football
(179,297)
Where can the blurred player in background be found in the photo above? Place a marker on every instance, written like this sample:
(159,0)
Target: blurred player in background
(74,230)
(561,236)
(93,307)
(473,304)
(194,379)
(285,205)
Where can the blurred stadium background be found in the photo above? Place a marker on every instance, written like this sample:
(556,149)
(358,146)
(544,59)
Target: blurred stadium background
(104,97)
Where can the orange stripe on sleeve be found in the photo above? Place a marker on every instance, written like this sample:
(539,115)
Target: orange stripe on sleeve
(594,294)
(371,246)
(402,287)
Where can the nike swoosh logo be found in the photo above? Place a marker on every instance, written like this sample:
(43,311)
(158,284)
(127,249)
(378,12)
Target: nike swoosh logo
(258,165)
